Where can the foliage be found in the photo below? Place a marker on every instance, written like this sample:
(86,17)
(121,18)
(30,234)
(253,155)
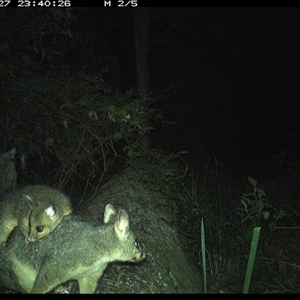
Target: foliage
(60,111)
(32,37)
(256,207)
(208,192)
(77,120)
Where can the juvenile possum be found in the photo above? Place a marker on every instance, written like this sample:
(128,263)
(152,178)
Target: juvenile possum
(35,209)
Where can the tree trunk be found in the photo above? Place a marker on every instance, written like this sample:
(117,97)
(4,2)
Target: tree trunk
(166,268)
(141,44)
(8,176)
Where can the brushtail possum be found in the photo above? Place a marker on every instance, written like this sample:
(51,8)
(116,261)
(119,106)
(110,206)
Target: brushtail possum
(76,250)
(35,209)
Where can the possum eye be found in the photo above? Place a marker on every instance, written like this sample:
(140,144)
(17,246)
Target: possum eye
(136,244)
(39,228)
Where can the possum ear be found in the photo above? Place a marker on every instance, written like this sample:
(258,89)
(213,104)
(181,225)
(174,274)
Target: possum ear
(50,210)
(122,223)
(110,214)
(28,200)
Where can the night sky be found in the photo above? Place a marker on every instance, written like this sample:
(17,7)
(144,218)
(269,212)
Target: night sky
(229,77)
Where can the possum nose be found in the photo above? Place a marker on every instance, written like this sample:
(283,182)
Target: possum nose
(139,256)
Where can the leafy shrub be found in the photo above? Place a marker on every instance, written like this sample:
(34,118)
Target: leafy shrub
(75,121)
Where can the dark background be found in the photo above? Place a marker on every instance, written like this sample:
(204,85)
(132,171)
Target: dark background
(229,77)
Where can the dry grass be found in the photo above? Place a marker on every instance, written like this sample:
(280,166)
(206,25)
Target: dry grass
(215,197)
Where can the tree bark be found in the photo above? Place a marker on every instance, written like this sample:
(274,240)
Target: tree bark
(141,44)
(8,175)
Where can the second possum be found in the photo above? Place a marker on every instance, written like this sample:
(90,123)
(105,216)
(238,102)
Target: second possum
(36,209)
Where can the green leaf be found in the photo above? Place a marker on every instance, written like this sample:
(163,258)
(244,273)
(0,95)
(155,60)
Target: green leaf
(260,193)
(260,207)
(266,215)
(252,181)
(131,153)
(148,128)
(69,33)
(246,196)
(107,108)
(244,203)
(117,136)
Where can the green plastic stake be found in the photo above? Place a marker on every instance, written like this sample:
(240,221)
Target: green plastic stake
(251,259)
(203,256)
